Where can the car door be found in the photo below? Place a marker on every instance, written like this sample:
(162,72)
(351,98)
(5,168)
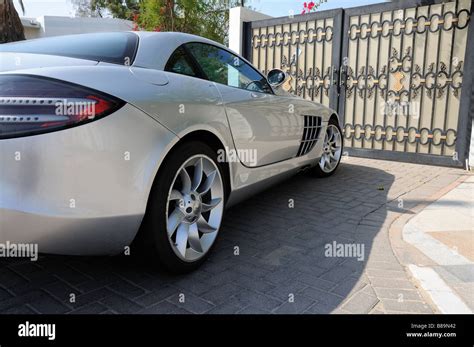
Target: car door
(266,128)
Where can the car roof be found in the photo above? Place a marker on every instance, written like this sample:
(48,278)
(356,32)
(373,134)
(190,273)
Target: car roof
(155,48)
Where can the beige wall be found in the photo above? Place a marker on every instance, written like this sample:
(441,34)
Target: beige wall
(56,25)
(237,16)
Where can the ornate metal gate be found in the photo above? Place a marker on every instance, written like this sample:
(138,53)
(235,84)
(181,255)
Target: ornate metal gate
(308,47)
(399,76)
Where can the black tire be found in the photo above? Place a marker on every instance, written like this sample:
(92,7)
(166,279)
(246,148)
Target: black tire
(316,170)
(153,237)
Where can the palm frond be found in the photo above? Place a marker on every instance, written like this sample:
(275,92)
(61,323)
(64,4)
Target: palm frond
(22,6)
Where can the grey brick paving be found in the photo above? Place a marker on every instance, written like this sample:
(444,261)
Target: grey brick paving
(298,305)
(225,308)
(90,309)
(164,307)
(190,302)
(156,295)
(282,255)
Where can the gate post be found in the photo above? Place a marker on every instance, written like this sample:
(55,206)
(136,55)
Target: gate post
(466,116)
(238,16)
(247,41)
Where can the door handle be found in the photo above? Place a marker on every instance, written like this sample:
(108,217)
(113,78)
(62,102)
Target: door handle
(256,95)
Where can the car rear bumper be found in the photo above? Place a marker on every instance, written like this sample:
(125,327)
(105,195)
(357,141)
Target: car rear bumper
(84,190)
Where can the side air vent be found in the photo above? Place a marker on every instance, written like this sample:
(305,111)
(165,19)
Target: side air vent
(312,128)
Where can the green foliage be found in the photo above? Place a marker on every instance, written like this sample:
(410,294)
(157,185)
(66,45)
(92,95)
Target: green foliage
(206,18)
(117,8)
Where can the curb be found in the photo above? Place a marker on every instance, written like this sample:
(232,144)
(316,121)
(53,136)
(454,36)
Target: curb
(407,254)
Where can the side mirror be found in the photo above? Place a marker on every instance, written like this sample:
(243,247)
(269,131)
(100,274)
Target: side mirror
(276,77)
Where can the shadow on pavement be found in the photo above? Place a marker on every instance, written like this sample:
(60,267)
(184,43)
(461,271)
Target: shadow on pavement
(272,256)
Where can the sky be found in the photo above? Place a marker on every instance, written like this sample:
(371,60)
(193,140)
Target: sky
(38,8)
(275,8)
(280,8)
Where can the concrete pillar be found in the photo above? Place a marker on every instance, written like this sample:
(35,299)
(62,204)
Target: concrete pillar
(237,16)
(471,148)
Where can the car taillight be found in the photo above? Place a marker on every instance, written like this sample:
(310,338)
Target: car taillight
(31,105)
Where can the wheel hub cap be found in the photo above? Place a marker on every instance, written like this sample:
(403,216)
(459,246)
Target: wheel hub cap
(190,206)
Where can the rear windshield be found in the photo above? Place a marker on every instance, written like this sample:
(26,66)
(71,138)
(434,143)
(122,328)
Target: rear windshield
(116,48)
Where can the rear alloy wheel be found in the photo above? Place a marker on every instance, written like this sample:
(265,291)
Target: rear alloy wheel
(194,210)
(185,209)
(332,151)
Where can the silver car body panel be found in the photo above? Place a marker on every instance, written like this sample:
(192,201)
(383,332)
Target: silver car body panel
(270,125)
(86,163)
(21,61)
(74,191)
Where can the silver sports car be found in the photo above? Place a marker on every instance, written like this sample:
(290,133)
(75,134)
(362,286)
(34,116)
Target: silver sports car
(112,138)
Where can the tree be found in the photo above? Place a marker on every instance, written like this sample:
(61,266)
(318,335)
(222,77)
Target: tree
(11,28)
(83,8)
(124,9)
(207,18)
(104,8)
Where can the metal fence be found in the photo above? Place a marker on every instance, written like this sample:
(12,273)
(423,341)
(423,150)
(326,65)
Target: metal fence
(399,75)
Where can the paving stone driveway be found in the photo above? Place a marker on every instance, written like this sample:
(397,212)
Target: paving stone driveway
(281,266)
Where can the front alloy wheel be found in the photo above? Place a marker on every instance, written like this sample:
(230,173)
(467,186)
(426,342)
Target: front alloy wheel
(332,151)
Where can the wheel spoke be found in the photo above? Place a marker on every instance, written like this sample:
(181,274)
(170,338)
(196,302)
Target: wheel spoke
(204,227)
(175,195)
(186,180)
(197,174)
(182,238)
(330,134)
(322,161)
(194,240)
(208,183)
(327,161)
(175,219)
(213,203)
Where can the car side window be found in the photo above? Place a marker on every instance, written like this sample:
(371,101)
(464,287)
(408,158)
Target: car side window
(220,66)
(179,63)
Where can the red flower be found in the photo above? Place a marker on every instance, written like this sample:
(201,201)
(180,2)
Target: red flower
(310,5)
